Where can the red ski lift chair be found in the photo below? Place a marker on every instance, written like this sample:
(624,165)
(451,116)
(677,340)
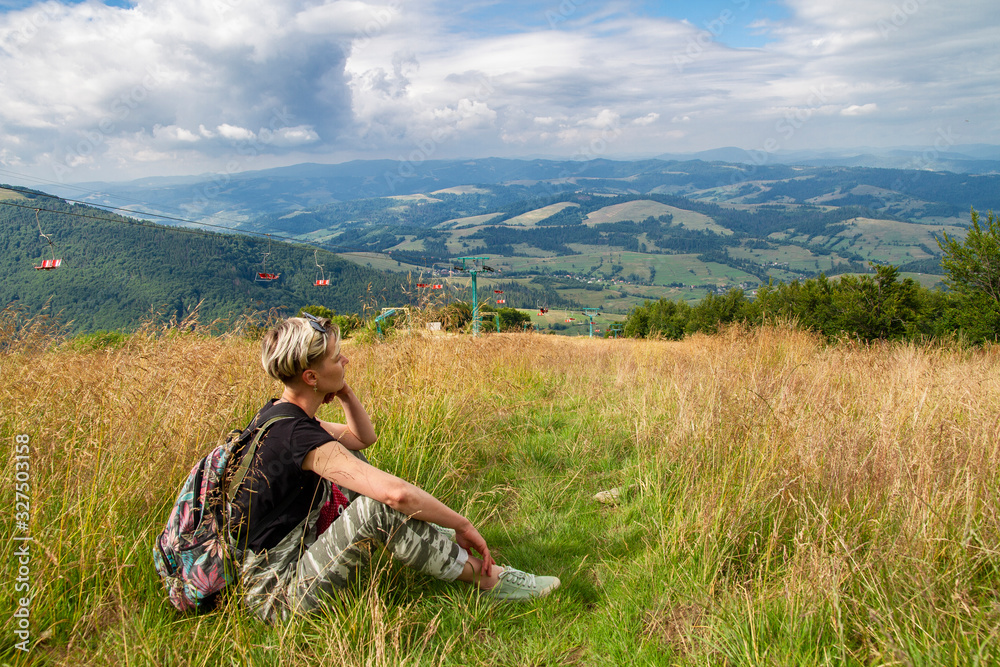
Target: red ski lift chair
(47,264)
(321,279)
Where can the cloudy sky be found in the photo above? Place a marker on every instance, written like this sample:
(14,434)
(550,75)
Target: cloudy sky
(123,90)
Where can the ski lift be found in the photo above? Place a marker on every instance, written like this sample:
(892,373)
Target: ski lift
(263,276)
(47,264)
(322,280)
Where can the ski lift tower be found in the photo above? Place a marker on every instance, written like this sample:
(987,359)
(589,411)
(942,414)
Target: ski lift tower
(591,313)
(474,267)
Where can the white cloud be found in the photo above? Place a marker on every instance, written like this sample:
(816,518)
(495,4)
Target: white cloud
(855,110)
(86,89)
(235,133)
(605,119)
(290,136)
(174,133)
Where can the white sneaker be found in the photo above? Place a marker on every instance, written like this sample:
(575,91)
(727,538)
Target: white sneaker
(516,585)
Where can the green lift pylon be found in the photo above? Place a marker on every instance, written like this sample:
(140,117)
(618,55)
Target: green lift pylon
(591,313)
(477,264)
(389,312)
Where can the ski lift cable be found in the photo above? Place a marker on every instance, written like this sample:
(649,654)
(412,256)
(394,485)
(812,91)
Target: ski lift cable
(332,249)
(230,230)
(514,264)
(85,192)
(108,207)
(131,211)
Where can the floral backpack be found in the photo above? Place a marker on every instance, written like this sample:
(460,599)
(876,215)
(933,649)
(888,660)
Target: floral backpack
(193,554)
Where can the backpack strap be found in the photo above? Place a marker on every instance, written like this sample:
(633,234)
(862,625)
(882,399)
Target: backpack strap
(276,412)
(247,461)
(280,411)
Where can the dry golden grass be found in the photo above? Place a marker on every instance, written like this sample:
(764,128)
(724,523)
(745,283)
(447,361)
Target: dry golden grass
(847,488)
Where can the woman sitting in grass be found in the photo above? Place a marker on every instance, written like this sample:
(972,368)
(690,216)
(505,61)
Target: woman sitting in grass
(296,555)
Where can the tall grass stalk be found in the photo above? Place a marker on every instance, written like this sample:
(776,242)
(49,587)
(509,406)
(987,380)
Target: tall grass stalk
(784,501)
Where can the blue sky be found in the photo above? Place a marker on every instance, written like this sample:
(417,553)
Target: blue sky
(115,90)
(728,20)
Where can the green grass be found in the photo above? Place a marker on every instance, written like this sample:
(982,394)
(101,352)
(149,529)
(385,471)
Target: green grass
(10,194)
(890,241)
(380,262)
(532,218)
(795,257)
(640,210)
(786,502)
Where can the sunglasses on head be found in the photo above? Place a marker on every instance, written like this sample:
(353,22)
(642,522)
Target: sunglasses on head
(314,323)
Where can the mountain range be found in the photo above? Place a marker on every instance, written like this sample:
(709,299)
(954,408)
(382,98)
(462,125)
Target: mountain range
(600,233)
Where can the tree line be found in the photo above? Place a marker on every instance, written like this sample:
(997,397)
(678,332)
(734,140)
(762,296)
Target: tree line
(118,271)
(879,306)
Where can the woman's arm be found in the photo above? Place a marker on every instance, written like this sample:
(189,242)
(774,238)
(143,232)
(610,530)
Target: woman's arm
(338,465)
(358,432)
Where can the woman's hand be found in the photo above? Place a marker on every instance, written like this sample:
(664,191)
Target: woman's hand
(344,394)
(358,432)
(469,539)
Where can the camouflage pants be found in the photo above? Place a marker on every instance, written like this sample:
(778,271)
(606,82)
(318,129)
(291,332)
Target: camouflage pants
(295,575)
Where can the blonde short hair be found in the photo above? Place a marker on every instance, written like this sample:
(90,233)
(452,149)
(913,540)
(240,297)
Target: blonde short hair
(295,345)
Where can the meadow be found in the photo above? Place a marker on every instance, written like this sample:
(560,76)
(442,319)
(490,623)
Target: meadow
(783,501)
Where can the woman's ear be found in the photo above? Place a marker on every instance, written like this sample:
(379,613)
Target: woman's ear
(309,377)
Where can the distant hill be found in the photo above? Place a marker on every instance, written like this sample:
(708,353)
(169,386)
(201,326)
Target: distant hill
(234,199)
(602,233)
(962,159)
(114,273)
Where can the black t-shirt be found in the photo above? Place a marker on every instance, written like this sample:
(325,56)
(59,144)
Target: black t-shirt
(275,473)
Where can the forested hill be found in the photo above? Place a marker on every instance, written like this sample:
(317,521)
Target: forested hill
(115,271)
